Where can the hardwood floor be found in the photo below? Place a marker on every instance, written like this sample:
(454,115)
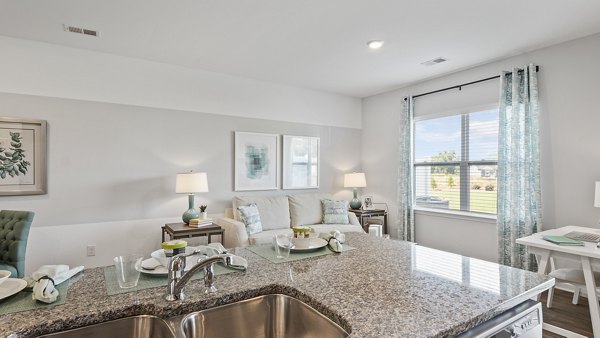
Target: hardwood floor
(567,316)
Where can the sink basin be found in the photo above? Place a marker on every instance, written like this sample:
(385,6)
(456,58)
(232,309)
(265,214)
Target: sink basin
(134,327)
(269,316)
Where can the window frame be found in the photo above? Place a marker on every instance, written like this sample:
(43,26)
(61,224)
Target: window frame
(463,164)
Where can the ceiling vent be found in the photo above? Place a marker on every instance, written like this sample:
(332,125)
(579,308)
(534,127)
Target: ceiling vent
(79,30)
(433,62)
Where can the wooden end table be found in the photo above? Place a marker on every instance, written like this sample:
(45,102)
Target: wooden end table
(182,230)
(362,214)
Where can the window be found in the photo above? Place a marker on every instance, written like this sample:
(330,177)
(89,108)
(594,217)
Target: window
(456,162)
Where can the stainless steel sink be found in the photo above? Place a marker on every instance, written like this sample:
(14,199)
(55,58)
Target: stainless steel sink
(270,316)
(134,327)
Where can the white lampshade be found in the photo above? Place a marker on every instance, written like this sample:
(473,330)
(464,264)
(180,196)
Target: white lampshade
(355,180)
(597,199)
(189,183)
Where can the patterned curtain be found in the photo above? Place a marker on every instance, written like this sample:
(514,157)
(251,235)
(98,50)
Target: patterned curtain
(406,219)
(519,194)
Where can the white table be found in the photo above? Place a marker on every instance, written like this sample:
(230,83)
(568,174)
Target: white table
(584,254)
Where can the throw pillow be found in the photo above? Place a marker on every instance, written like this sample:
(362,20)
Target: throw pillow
(251,218)
(335,212)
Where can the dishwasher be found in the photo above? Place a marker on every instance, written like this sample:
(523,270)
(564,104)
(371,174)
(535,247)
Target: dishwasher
(522,321)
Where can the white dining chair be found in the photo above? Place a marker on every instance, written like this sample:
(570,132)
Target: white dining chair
(569,278)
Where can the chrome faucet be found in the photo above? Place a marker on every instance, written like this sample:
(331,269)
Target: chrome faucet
(178,278)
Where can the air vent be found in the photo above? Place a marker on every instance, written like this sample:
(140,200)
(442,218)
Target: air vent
(79,30)
(434,61)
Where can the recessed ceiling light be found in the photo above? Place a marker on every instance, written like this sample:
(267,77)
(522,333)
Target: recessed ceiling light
(375,44)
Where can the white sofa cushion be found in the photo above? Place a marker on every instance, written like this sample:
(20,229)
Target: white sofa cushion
(266,237)
(274,211)
(306,208)
(340,227)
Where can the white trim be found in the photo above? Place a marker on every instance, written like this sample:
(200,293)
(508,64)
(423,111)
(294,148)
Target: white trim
(460,111)
(456,214)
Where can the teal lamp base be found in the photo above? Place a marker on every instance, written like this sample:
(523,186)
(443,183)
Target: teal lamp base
(191,212)
(355,203)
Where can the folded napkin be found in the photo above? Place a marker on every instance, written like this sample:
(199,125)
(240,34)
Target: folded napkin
(44,280)
(334,239)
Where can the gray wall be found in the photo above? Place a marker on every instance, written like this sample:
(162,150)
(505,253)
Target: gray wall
(570,117)
(114,162)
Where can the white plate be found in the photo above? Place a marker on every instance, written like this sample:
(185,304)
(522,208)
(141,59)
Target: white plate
(158,271)
(11,286)
(314,245)
(163,270)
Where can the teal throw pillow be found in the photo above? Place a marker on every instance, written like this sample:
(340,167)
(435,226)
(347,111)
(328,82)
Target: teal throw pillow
(335,212)
(251,218)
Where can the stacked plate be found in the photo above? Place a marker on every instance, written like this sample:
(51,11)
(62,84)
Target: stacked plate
(10,286)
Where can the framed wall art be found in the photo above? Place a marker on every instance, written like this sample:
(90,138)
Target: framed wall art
(256,161)
(301,162)
(22,156)
(368,203)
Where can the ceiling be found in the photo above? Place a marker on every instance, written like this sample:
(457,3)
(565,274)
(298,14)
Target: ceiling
(318,44)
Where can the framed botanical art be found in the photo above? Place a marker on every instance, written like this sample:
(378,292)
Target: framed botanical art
(256,161)
(300,162)
(22,156)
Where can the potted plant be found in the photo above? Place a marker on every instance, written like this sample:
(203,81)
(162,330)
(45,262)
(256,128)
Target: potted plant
(203,213)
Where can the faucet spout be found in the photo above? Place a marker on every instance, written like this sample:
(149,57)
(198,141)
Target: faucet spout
(178,279)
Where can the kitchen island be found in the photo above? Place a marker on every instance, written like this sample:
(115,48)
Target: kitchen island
(383,288)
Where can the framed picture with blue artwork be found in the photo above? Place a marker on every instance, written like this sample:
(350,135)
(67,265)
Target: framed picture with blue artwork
(22,156)
(256,164)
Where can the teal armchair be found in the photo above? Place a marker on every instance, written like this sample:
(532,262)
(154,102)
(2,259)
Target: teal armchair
(14,231)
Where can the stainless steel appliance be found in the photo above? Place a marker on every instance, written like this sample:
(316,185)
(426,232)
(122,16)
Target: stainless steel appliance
(522,321)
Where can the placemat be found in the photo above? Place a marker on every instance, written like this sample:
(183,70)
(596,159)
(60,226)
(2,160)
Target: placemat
(267,252)
(147,281)
(22,301)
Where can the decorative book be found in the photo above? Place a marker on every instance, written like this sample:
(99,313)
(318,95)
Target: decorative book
(195,222)
(562,240)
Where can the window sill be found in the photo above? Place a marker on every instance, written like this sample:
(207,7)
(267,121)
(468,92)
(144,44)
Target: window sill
(469,216)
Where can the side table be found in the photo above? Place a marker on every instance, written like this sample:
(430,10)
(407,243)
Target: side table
(182,230)
(362,214)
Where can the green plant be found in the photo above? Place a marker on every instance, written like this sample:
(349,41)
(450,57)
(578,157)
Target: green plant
(476,186)
(434,184)
(13,162)
(203,208)
(451,181)
(489,187)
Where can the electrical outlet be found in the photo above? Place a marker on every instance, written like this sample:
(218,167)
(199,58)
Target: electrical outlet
(91,250)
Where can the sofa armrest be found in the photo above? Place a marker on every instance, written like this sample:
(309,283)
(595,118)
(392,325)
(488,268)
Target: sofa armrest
(353,219)
(235,232)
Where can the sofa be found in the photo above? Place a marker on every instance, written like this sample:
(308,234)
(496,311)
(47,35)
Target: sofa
(278,214)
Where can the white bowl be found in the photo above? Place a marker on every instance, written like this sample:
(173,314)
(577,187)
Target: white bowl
(160,256)
(4,274)
(303,243)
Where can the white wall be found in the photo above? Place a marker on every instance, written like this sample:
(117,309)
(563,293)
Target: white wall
(570,117)
(119,129)
(36,68)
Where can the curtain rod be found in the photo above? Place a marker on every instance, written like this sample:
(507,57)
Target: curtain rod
(537,69)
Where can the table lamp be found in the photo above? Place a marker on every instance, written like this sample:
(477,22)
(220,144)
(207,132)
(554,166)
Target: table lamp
(354,181)
(191,183)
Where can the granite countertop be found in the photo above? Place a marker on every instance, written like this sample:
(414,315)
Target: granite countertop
(383,288)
